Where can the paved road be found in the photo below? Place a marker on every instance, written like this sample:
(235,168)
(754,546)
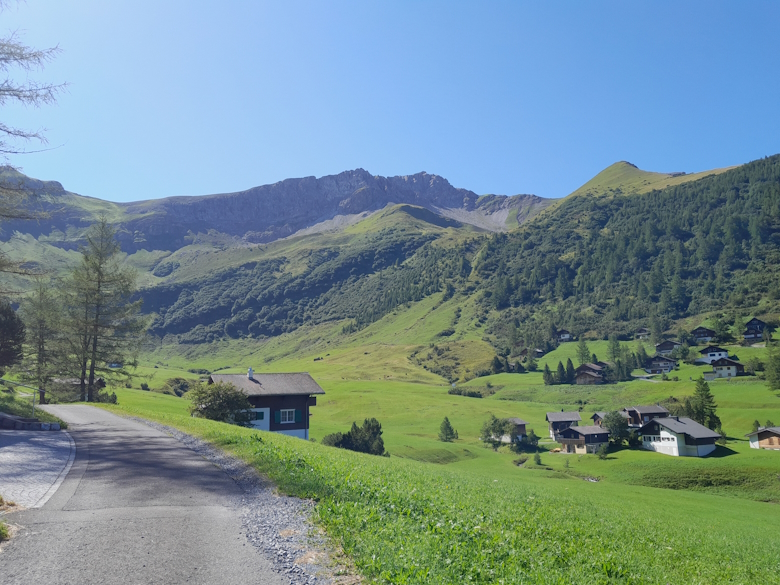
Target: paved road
(33,465)
(135,508)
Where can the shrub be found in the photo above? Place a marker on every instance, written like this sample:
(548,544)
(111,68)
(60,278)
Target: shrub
(365,439)
(603,451)
(222,402)
(177,386)
(144,386)
(4,532)
(537,459)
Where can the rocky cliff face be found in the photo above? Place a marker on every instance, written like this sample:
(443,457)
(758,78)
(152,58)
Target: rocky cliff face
(269,212)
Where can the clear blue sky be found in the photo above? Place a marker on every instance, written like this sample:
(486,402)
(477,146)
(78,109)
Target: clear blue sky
(191,97)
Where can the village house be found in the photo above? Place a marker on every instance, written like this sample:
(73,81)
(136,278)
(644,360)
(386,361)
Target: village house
(639,415)
(711,353)
(642,333)
(598,417)
(557,421)
(518,429)
(564,336)
(727,368)
(280,402)
(756,324)
(583,439)
(535,353)
(754,330)
(589,374)
(703,335)
(666,347)
(678,436)
(660,364)
(765,438)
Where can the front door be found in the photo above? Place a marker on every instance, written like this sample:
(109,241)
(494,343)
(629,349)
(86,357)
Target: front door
(261,418)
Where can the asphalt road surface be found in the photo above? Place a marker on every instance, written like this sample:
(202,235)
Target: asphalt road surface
(136,508)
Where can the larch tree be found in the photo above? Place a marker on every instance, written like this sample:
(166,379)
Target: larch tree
(103,325)
(11,336)
(41,316)
(583,352)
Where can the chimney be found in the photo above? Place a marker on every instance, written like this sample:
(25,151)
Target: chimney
(250,374)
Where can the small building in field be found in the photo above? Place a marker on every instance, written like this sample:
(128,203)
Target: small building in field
(666,347)
(765,438)
(557,421)
(678,436)
(564,336)
(518,429)
(639,415)
(642,333)
(711,353)
(727,368)
(589,374)
(280,402)
(598,417)
(583,439)
(660,364)
(703,335)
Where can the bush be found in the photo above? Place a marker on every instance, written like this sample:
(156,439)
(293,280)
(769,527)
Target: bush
(537,459)
(222,402)
(144,386)
(365,439)
(603,451)
(176,386)
(4,532)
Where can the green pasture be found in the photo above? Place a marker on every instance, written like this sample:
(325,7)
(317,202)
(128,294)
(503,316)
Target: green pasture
(404,521)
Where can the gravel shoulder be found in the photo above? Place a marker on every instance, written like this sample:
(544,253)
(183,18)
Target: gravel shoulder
(278,526)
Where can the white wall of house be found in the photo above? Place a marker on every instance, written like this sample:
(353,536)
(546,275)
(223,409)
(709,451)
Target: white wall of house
(725,371)
(262,420)
(710,357)
(667,442)
(300,433)
(754,442)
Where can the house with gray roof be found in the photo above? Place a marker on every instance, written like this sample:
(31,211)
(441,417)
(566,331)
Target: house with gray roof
(587,439)
(678,436)
(639,415)
(280,402)
(557,421)
(765,438)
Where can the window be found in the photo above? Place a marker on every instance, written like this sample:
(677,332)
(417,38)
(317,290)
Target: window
(287,416)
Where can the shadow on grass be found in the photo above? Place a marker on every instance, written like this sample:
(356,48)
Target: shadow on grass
(721,451)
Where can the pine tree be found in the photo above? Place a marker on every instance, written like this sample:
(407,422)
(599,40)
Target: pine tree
(704,406)
(41,316)
(613,349)
(583,352)
(756,425)
(560,374)
(547,375)
(446,433)
(570,373)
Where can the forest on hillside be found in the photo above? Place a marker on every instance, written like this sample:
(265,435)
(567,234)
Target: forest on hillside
(613,264)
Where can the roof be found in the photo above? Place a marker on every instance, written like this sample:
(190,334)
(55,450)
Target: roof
(662,358)
(725,362)
(589,430)
(756,321)
(710,348)
(517,421)
(653,409)
(685,426)
(643,330)
(701,329)
(562,416)
(602,414)
(775,430)
(564,331)
(667,343)
(594,367)
(297,384)
(590,373)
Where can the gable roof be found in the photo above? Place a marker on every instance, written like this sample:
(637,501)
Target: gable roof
(725,362)
(662,358)
(562,416)
(667,343)
(710,348)
(517,421)
(755,322)
(685,426)
(652,409)
(297,384)
(703,330)
(775,430)
(588,430)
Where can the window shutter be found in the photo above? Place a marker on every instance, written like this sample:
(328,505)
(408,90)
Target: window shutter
(298,415)
(277,416)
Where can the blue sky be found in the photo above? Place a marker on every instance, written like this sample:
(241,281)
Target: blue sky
(193,97)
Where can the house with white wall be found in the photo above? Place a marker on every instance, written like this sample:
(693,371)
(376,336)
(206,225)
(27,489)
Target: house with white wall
(765,438)
(678,437)
(711,353)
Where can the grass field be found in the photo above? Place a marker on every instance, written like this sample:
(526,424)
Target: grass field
(405,521)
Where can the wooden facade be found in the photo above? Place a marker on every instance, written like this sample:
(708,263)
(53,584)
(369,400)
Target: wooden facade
(583,439)
(765,438)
